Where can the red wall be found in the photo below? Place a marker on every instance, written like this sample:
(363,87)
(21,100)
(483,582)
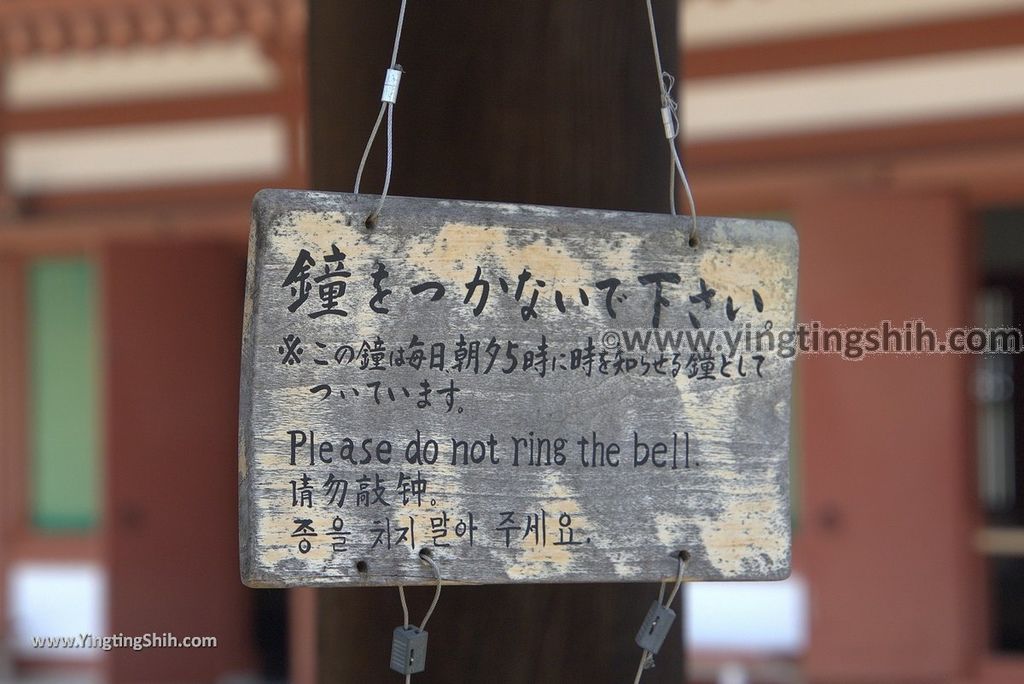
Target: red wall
(888,455)
(172,335)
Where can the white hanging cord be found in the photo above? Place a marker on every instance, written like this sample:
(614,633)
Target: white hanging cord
(646,655)
(369,144)
(426,558)
(437,592)
(388,98)
(670,121)
(405,606)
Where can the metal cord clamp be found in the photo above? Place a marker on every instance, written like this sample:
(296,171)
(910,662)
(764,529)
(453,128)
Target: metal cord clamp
(658,621)
(392,79)
(409,642)
(670,121)
(388,97)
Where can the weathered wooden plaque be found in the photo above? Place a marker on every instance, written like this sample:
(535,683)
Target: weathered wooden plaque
(533,394)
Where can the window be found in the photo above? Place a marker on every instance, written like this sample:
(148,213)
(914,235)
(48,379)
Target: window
(1000,419)
(63,409)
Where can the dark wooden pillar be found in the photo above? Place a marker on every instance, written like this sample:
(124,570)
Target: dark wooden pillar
(531,101)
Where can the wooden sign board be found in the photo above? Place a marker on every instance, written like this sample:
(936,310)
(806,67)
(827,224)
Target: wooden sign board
(470,378)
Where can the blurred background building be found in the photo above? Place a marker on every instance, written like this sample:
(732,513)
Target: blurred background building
(134,133)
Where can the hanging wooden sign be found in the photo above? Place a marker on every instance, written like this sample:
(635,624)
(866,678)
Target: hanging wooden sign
(531,394)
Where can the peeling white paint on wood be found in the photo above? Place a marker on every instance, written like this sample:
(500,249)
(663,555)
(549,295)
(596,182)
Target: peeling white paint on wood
(726,502)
